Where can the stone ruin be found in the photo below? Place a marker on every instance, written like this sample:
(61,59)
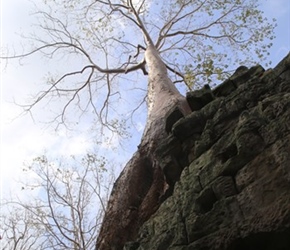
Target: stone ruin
(228,168)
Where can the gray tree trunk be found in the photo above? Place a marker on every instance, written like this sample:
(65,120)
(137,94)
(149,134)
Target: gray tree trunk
(137,193)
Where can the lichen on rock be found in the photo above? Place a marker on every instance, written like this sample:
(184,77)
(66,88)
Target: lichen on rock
(230,172)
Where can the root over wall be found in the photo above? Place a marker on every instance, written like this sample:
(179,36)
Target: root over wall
(228,168)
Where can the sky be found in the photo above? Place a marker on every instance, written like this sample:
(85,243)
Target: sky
(23,138)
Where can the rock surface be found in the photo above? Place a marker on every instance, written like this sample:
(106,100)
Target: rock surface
(228,167)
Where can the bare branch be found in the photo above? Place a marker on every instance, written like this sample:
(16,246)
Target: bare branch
(206,27)
(103,36)
(63,218)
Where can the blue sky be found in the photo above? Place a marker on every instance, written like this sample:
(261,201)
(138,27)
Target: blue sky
(23,138)
(280,10)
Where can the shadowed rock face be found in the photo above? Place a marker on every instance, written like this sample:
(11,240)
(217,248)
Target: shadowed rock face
(228,167)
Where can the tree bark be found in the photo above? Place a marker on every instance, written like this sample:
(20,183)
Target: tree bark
(137,193)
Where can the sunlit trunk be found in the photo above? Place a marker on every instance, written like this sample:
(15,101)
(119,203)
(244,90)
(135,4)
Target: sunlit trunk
(162,94)
(137,192)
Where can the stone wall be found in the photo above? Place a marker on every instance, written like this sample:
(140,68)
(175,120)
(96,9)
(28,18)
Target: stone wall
(228,167)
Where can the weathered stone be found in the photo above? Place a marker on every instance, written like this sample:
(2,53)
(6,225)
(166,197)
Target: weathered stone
(234,194)
(199,98)
(205,200)
(223,214)
(224,187)
(191,124)
(283,68)
(131,245)
(241,75)
(172,117)
(167,154)
(225,88)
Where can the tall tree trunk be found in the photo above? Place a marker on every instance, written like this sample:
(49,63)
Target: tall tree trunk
(137,193)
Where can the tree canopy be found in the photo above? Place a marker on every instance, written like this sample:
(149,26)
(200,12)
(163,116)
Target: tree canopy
(102,44)
(104,49)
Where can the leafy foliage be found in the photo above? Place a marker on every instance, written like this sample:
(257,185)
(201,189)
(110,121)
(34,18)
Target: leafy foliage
(201,42)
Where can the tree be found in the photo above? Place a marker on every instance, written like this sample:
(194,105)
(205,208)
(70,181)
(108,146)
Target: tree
(65,207)
(19,231)
(200,51)
(174,41)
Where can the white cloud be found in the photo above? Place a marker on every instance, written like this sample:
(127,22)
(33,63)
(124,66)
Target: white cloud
(75,146)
